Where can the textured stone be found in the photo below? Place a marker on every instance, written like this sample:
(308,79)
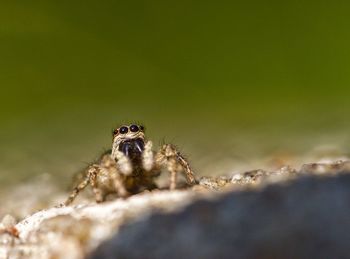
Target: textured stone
(286,213)
(306,218)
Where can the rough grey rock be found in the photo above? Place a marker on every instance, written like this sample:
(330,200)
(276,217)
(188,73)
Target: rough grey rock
(305,218)
(73,231)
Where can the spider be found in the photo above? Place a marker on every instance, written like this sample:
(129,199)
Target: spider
(131,166)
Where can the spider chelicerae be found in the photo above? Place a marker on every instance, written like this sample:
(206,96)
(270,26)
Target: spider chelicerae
(131,166)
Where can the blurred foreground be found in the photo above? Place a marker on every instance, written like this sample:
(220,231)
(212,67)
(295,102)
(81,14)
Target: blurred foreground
(285,213)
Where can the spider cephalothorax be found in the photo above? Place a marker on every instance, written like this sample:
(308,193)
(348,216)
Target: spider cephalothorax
(130,140)
(132,166)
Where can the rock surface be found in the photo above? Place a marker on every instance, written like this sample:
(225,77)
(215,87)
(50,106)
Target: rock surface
(286,213)
(309,218)
(71,232)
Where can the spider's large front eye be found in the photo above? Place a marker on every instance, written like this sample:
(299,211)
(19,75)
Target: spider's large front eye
(123,130)
(134,128)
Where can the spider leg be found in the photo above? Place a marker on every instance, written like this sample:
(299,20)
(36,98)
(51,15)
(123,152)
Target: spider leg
(114,169)
(188,171)
(91,173)
(174,161)
(173,173)
(148,156)
(118,183)
(99,196)
(123,163)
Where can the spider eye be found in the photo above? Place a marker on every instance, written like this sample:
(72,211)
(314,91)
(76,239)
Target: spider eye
(123,130)
(134,128)
(115,132)
(142,128)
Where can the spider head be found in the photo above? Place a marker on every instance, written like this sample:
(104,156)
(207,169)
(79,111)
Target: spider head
(130,140)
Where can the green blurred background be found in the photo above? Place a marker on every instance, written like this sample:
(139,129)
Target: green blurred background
(227,81)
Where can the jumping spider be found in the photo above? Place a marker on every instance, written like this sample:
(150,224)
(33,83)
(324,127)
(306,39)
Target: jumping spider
(131,166)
